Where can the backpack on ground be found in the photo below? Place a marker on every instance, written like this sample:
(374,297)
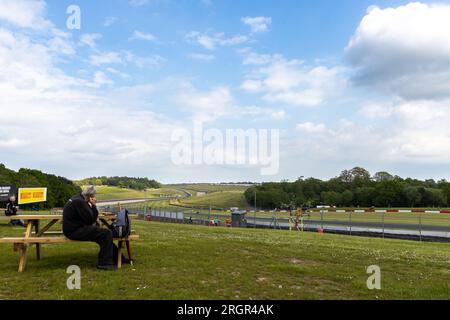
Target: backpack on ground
(121,228)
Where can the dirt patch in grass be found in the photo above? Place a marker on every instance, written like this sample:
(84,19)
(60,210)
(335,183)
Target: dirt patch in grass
(302,262)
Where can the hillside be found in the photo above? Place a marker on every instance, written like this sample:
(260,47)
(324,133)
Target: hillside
(115,193)
(59,189)
(218,199)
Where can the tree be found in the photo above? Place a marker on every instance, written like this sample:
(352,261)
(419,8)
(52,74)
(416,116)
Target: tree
(388,193)
(434,197)
(355,187)
(347,198)
(364,196)
(357,177)
(59,189)
(382,176)
(412,196)
(331,198)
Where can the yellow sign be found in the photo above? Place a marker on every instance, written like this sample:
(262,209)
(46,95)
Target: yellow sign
(32,195)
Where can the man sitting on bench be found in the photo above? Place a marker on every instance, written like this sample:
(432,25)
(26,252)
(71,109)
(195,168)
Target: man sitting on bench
(79,223)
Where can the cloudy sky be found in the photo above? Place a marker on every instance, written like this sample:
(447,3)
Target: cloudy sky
(347,83)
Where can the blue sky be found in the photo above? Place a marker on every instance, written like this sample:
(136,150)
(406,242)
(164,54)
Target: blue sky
(347,83)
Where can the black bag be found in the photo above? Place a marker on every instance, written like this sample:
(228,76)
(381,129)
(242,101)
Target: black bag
(11,210)
(121,228)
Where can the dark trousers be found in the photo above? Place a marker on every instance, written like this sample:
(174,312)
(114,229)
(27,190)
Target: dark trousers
(103,237)
(14,222)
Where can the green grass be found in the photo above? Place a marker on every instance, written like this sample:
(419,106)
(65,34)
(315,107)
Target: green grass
(115,193)
(207,187)
(220,199)
(196,262)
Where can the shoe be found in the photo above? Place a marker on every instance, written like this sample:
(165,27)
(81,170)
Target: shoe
(125,260)
(107,267)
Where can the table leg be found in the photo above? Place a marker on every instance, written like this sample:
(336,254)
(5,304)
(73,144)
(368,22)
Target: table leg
(23,258)
(23,249)
(129,251)
(119,254)
(38,245)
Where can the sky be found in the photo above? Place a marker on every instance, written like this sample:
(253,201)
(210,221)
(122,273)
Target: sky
(344,83)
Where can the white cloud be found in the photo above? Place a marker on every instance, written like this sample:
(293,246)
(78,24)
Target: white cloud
(257,24)
(422,131)
(89,39)
(218,103)
(252,85)
(259,113)
(29,16)
(100,79)
(29,66)
(252,58)
(117,72)
(100,58)
(47,105)
(403,54)
(147,62)
(278,115)
(61,45)
(311,127)
(11,143)
(205,106)
(139,35)
(411,133)
(210,42)
(25,14)
(404,51)
(343,143)
(143,62)
(291,82)
(377,110)
(306,98)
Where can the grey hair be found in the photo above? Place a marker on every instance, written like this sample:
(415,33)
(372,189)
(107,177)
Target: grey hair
(89,192)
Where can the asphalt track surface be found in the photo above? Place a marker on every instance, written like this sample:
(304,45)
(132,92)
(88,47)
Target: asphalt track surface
(401,226)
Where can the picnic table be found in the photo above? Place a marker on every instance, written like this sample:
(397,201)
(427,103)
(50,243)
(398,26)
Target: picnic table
(43,236)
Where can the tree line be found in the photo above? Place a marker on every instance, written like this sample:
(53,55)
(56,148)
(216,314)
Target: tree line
(352,188)
(59,189)
(122,182)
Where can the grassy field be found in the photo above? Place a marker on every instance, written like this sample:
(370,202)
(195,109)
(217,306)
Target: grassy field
(220,199)
(220,196)
(196,262)
(207,187)
(114,193)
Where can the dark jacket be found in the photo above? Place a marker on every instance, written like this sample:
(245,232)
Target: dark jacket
(11,208)
(77,214)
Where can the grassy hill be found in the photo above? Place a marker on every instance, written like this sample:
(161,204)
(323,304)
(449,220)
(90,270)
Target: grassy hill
(114,193)
(207,187)
(221,199)
(196,262)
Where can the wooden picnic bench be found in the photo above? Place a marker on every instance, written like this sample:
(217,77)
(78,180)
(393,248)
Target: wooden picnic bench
(44,236)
